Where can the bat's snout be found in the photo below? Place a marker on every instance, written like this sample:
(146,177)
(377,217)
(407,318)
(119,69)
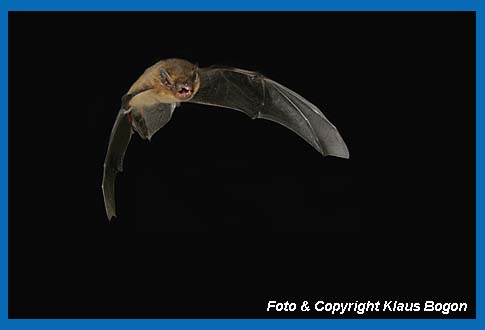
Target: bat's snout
(184,91)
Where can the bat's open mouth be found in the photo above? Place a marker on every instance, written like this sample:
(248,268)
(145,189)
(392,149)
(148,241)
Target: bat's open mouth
(184,92)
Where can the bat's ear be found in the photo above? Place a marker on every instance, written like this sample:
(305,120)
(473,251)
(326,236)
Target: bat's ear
(164,73)
(196,65)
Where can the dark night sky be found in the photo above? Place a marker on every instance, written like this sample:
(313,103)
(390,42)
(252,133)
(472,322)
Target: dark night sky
(219,214)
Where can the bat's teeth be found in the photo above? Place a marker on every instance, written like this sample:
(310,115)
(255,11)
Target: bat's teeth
(184,92)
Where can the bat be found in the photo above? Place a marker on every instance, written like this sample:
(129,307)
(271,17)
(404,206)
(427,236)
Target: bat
(151,100)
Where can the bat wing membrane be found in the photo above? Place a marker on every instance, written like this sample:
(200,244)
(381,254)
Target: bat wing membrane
(259,97)
(146,115)
(113,163)
(149,115)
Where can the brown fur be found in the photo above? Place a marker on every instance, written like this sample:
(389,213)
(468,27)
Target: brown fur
(180,71)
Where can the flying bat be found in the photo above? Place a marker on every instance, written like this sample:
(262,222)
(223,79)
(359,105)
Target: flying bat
(150,102)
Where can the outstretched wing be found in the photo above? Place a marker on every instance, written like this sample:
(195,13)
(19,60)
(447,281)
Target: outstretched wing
(113,163)
(146,115)
(260,97)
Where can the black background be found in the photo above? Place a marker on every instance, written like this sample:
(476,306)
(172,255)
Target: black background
(219,214)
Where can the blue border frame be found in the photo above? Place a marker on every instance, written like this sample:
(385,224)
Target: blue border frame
(354,5)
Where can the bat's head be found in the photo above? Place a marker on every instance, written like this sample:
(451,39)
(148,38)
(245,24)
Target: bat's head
(180,78)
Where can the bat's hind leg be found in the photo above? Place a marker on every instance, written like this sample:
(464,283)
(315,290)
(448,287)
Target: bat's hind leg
(138,123)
